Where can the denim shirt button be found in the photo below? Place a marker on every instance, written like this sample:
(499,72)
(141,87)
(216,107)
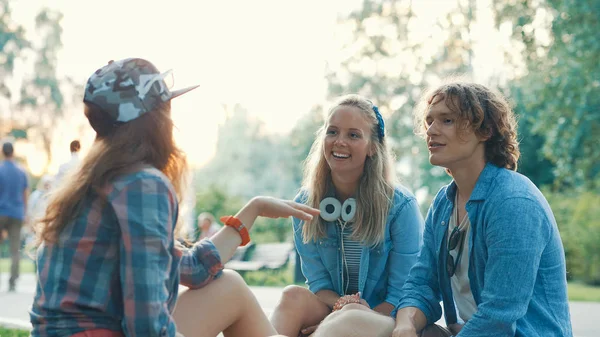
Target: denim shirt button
(443,223)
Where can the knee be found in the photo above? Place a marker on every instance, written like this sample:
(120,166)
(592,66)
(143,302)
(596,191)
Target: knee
(232,277)
(294,297)
(233,282)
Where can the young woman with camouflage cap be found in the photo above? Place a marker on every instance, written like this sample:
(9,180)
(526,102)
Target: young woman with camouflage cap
(108,262)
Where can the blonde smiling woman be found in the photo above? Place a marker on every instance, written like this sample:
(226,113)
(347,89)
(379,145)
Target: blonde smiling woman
(362,246)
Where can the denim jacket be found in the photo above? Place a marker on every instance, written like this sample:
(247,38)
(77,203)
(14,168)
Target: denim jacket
(517,266)
(383,268)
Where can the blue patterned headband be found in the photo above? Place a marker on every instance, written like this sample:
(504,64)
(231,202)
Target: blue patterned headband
(381,124)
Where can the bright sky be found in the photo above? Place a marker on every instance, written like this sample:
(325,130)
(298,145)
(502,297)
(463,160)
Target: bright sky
(268,55)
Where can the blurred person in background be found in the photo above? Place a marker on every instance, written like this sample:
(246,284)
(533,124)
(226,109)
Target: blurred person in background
(207,226)
(13,203)
(71,164)
(36,205)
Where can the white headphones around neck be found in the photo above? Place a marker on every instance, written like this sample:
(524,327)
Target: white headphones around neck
(331,209)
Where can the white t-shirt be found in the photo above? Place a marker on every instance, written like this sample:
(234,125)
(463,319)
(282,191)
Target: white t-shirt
(461,288)
(65,168)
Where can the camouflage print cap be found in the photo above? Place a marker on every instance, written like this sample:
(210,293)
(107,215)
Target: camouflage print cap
(128,88)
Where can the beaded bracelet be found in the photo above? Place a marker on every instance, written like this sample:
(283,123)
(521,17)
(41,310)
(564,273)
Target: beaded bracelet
(346,299)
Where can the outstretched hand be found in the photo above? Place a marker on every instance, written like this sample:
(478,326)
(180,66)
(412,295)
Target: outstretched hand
(278,208)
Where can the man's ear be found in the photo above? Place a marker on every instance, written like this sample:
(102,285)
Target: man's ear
(485,135)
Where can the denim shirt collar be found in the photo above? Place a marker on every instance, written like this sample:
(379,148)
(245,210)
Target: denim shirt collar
(482,186)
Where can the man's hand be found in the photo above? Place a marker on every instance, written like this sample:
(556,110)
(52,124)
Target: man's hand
(409,320)
(404,331)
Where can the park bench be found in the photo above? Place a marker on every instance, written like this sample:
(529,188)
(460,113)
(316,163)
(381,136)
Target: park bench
(263,256)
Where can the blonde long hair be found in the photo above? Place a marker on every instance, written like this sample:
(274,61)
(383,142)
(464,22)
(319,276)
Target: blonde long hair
(146,140)
(375,190)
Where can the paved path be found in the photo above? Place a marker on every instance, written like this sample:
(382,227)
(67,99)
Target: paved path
(14,306)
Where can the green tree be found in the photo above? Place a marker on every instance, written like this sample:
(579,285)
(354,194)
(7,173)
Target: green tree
(532,163)
(215,200)
(12,44)
(248,162)
(385,64)
(577,217)
(560,87)
(42,99)
(300,141)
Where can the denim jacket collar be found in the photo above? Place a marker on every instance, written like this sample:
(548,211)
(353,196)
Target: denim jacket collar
(482,186)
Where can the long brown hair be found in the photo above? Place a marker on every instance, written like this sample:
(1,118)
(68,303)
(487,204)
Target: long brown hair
(482,110)
(375,189)
(117,149)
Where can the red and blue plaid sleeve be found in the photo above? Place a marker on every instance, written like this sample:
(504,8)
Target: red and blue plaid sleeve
(144,210)
(199,264)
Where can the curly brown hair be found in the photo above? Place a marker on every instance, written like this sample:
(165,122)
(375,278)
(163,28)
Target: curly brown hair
(478,108)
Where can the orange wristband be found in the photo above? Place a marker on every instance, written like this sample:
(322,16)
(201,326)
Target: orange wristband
(235,223)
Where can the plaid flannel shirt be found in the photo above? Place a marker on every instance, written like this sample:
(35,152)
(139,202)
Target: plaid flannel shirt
(117,266)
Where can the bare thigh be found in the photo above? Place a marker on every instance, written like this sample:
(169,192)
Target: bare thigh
(226,304)
(314,310)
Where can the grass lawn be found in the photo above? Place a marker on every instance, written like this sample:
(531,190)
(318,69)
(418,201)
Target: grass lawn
(27,266)
(4,332)
(583,292)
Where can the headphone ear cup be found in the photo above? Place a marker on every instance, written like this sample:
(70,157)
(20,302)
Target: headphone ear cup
(330,209)
(349,209)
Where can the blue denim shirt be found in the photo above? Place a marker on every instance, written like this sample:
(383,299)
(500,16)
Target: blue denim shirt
(517,266)
(383,268)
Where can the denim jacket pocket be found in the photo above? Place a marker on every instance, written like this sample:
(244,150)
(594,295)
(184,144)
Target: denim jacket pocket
(378,259)
(328,249)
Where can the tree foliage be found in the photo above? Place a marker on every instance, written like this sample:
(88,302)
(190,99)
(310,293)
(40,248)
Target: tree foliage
(12,45)
(559,91)
(43,94)
(577,217)
(388,64)
(248,162)
(299,142)
(42,99)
